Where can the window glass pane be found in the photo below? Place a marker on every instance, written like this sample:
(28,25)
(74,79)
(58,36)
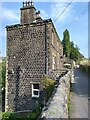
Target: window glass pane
(35,86)
(35,92)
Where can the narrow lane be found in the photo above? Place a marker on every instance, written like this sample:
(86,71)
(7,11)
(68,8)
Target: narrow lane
(79,99)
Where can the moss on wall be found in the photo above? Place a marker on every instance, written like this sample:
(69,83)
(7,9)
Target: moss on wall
(48,86)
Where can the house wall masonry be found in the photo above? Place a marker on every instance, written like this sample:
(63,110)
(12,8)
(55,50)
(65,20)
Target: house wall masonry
(31,55)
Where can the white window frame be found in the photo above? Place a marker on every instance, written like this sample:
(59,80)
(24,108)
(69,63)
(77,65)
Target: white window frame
(33,95)
(53,61)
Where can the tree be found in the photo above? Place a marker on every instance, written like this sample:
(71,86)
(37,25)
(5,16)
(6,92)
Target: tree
(3,73)
(70,50)
(72,55)
(75,54)
(66,43)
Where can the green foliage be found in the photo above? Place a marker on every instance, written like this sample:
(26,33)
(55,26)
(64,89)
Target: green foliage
(69,107)
(2,80)
(48,86)
(0,73)
(85,68)
(6,116)
(70,50)
(35,114)
(17,116)
(3,73)
(66,43)
(74,52)
(69,100)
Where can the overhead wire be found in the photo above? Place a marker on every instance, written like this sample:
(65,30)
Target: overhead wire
(63,11)
(78,17)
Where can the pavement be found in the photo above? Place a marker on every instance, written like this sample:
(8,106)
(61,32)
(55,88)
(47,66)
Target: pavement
(79,99)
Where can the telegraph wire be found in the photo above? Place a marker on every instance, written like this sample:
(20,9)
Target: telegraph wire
(78,17)
(63,11)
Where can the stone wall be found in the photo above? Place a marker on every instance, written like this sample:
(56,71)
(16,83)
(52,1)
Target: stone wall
(57,106)
(29,58)
(27,13)
(55,50)
(25,64)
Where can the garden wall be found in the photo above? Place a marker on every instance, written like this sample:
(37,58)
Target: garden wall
(57,106)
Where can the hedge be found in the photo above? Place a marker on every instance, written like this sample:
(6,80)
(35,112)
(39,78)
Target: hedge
(85,68)
(16,116)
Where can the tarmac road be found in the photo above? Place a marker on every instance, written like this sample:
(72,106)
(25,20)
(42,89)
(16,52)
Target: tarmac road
(79,100)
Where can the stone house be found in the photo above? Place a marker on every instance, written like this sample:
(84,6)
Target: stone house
(33,51)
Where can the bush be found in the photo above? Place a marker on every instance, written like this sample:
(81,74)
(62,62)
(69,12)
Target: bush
(3,73)
(48,86)
(16,116)
(6,116)
(85,68)
(34,115)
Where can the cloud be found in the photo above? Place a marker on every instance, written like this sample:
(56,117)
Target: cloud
(57,8)
(10,15)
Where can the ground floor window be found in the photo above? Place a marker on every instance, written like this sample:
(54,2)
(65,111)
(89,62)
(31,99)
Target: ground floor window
(53,62)
(35,90)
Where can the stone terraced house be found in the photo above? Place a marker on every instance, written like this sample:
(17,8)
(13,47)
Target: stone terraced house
(34,50)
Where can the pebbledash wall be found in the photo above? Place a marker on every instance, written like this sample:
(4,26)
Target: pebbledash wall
(33,49)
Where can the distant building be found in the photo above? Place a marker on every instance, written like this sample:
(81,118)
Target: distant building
(33,51)
(0,61)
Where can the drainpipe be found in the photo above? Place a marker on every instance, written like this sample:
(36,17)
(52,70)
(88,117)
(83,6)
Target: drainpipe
(45,50)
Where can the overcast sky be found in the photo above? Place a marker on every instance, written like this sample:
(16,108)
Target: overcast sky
(78,30)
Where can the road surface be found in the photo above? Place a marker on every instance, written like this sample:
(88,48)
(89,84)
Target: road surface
(79,99)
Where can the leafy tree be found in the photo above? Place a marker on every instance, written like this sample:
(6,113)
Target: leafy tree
(70,50)
(3,73)
(66,43)
(2,81)
(74,54)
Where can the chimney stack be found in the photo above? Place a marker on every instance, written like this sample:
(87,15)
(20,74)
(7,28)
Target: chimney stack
(38,15)
(27,12)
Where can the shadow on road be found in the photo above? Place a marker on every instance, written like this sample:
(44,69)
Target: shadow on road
(79,99)
(80,87)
